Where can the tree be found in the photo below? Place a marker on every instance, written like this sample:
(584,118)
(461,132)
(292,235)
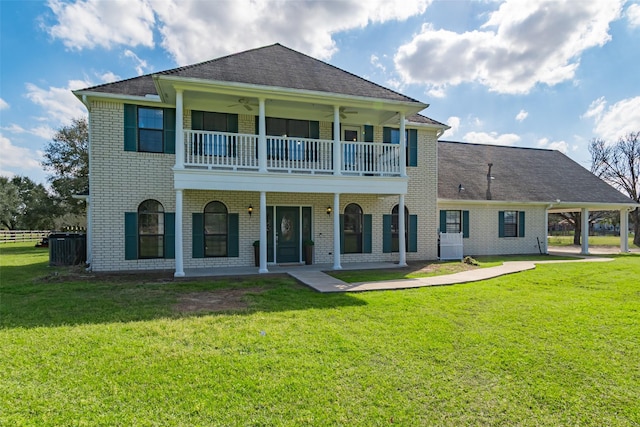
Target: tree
(9,202)
(619,165)
(67,157)
(26,205)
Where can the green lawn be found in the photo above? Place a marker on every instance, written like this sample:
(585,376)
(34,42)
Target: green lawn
(593,241)
(558,345)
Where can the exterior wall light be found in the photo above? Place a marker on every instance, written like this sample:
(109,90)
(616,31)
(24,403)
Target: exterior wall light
(329,210)
(250,210)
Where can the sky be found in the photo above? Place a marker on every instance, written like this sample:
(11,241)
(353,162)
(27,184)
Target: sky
(535,73)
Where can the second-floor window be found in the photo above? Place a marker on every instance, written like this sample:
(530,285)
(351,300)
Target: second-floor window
(150,130)
(392,136)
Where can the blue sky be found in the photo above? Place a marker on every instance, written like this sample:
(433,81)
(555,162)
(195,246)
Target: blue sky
(546,74)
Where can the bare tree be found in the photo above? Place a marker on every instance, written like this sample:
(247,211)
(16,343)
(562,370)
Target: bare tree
(619,165)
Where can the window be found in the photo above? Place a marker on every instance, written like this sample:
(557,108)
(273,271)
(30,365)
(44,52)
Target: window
(291,149)
(454,222)
(150,130)
(392,136)
(353,221)
(215,145)
(215,230)
(395,226)
(150,229)
(511,223)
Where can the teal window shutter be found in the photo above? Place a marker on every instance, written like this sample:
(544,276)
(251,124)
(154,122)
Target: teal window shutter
(169,125)
(386,134)
(232,123)
(197,120)
(412,158)
(198,235)
(130,127)
(314,130)
(368,133)
(443,221)
(386,234)
(465,224)
(501,224)
(413,233)
(341,233)
(367,233)
(131,235)
(233,243)
(169,235)
(521,224)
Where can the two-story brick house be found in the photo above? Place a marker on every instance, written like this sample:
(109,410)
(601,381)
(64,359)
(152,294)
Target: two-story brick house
(190,166)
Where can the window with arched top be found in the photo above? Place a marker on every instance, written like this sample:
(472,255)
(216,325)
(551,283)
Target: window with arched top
(352,229)
(216,230)
(151,229)
(391,227)
(395,227)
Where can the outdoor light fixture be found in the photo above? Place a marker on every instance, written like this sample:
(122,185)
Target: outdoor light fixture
(329,210)
(250,210)
(460,188)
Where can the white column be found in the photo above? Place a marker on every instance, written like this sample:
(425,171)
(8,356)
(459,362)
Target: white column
(179,131)
(262,137)
(336,232)
(402,244)
(624,230)
(178,236)
(403,147)
(546,230)
(263,233)
(89,232)
(585,231)
(337,154)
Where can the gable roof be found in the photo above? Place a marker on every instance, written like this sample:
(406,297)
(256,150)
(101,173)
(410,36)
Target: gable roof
(520,175)
(274,66)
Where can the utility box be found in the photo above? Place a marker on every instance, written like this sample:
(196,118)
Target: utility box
(67,249)
(451,246)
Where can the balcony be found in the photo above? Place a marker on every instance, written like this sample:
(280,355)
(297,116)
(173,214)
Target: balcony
(220,151)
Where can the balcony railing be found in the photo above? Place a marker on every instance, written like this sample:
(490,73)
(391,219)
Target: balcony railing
(222,150)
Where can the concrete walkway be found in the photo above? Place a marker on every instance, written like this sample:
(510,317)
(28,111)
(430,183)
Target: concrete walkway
(322,282)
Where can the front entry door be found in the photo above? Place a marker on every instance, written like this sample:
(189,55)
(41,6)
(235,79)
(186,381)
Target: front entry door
(287,227)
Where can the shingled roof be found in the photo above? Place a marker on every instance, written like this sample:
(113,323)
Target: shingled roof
(274,65)
(520,175)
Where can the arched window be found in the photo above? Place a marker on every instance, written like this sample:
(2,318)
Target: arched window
(216,230)
(395,240)
(150,229)
(352,229)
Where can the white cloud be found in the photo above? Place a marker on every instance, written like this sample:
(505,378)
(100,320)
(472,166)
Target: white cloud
(59,103)
(108,77)
(437,91)
(561,146)
(615,121)
(140,64)
(14,128)
(19,159)
(375,61)
(3,104)
(520,45)
(522,115)
(492,138)
(44,132)
(454,122)
(86,24)
(195,30)
(633,15)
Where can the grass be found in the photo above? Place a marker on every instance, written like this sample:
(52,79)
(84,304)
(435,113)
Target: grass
(558,345)
(593,241)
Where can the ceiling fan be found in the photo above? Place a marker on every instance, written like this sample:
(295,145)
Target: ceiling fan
(343,113)
(245,103)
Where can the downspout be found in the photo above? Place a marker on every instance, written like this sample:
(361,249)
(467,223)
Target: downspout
(89,209)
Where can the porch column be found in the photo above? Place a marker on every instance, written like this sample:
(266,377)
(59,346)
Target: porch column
(262,140)
(336,232)
(585,231)
(403,147)
(337,154)
(263,232)
(402,244)
(178,236)
(624,230)
(179,131)
(546,230)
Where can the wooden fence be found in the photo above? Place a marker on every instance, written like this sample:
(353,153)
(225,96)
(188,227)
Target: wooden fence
(13,236)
